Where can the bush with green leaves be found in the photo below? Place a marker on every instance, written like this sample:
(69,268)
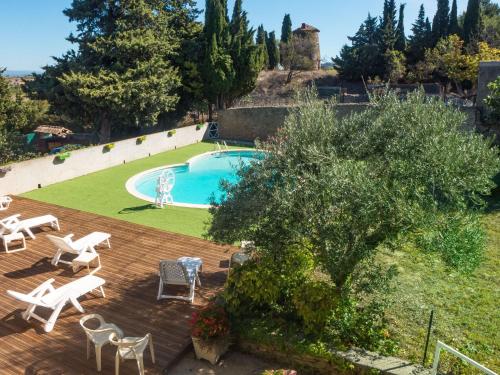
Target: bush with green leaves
(267,284)
(460,239)
(493,100)
(347,186)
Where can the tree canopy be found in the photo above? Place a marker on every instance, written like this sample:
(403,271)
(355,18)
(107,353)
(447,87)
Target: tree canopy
(341,188)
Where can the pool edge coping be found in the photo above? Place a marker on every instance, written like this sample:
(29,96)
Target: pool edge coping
(130,184)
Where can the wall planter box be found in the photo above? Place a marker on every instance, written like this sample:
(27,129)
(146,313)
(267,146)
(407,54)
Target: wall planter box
(140,139)
(171,133)
(5,169)
(109,147)
(211,350)
(63,156)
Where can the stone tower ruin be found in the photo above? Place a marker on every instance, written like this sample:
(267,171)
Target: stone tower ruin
(312,34)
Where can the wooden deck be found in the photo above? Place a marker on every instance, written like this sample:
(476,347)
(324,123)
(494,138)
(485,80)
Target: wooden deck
(130,270)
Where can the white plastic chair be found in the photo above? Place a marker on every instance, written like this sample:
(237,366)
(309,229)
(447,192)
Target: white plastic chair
(5,202)
(48,297)
(99,336)
(177,272)
(132,348)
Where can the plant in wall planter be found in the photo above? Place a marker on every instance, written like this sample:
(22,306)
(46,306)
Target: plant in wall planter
(109,146)
(171,133)
(210,332)
(63,156)
(141,139)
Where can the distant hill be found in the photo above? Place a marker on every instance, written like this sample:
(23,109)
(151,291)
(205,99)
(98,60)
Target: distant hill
(20,73)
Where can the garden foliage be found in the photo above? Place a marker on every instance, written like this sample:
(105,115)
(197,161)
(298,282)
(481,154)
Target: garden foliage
(330,192)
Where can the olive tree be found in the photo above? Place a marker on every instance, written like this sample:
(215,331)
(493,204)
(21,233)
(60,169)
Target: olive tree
(344,187)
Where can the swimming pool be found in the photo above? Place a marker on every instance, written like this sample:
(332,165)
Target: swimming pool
(197,180)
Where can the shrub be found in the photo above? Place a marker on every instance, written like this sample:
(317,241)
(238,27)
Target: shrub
(460,240)
(362,326)
(267,284)
(314,302)
(493,100)
(210,323)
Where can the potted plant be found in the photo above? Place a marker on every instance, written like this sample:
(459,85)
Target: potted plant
(210,332)
(170,133)
(5,169)
(141,139)
(199,126)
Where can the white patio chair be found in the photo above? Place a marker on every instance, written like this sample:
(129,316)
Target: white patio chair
(12,224)
(84,244)
(5,202)
(178,272)
(47,296)
(132,348)
(98,336)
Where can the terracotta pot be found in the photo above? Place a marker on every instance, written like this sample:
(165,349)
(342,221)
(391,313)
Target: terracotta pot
(211,350)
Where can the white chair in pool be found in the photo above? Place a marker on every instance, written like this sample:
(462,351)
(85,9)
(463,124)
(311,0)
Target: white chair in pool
(5,202)
(98,336)
(132,348)
(183,271)
(48,297)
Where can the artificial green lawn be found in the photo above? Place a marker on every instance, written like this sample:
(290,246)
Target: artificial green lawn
(466,308)
(104,193)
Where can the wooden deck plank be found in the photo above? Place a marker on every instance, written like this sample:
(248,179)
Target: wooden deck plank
(130,269)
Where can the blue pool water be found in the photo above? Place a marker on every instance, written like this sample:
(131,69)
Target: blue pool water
(196,181)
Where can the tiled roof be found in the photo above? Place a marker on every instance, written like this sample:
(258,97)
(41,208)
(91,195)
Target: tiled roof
(306,28)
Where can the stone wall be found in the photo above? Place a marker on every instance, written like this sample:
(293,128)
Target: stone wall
(248,124)
(488,71)
(30,174)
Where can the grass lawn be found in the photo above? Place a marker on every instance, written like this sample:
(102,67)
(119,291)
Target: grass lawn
(104,193)
(466,307)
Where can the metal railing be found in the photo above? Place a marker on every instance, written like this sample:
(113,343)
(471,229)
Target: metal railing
(440,345)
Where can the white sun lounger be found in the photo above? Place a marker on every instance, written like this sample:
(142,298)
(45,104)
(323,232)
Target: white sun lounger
(86,243)
(12,224)
(5,202)
(47,296)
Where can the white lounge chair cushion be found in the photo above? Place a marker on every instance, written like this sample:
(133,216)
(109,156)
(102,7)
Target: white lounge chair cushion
(92,239)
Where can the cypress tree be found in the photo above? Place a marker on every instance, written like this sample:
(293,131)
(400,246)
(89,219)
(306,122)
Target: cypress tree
(286,29)
(388,26)
(272,51)
(454,28)
(441,21)
(472,22)
(418,40)
(217,69)
(245,54)
(428,33)
(400,44)
(261,43)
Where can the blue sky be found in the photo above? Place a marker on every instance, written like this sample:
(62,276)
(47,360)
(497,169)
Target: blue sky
(31,31)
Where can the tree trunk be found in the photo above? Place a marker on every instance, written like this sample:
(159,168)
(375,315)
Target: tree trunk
(210,112)
(105,130)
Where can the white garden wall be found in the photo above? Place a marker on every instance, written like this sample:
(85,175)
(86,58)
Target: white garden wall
(28,175)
